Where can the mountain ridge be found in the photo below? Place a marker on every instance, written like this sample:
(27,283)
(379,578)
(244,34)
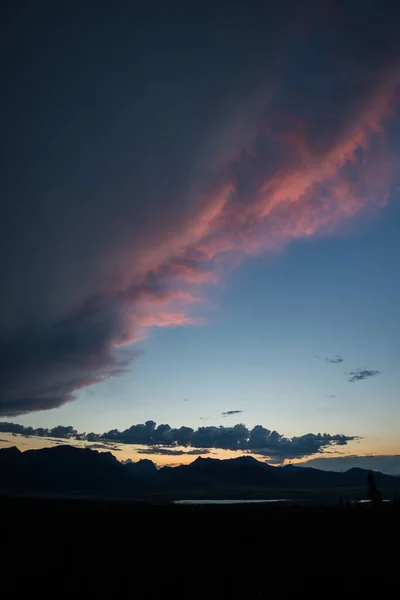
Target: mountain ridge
(68,469)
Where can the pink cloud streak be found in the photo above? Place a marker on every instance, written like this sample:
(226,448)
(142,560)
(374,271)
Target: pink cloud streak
(312,192)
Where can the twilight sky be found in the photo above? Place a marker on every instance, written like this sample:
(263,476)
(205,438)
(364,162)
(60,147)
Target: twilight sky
(199,226)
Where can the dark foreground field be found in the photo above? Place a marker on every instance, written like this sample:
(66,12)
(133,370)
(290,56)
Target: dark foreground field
(145,551)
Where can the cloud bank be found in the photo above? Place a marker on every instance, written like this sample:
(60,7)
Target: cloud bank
(162,439)
(185,147)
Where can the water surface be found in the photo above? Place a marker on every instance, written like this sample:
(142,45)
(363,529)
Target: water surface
(230,501)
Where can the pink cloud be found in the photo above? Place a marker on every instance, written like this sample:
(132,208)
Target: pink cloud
(312,192)
(292,141)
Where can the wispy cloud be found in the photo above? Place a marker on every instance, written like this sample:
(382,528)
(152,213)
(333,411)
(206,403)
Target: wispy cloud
(103,447)
(334,361)
(230,413)
(172,452)
(361,374)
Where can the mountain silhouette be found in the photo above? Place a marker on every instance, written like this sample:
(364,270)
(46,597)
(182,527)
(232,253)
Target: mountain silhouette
(142,468)
(60,469)
(67,469)
(245,471)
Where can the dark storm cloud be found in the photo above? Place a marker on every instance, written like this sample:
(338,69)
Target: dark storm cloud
(142,145)
(360,374)
(163,439)
(229,413)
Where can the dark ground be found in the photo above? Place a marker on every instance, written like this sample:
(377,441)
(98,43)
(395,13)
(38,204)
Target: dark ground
(161,551)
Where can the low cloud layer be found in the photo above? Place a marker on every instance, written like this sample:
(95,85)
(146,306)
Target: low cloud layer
(103,447)
(162,439)
(128,212)
(389,464)
(60,431)
(277,447)
(172,452)
(361,374)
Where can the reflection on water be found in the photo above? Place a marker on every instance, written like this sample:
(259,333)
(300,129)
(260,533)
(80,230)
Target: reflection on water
(229,501)
(366,501)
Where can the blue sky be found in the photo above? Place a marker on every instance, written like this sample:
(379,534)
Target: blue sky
(263,348)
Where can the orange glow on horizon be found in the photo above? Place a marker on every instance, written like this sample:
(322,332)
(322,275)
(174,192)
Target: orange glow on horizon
(123,452)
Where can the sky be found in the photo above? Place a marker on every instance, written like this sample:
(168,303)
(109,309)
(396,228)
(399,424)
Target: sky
(199,221)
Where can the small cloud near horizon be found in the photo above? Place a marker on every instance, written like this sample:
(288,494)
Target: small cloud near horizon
(230,413)
(361,374)
(335,360)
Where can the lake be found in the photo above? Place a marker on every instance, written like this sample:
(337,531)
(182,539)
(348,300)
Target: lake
(230,501)
(265,501)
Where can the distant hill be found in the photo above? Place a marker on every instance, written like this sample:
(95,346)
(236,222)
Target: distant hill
(248,473)
(60,469)
(143,468)
(70,470)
